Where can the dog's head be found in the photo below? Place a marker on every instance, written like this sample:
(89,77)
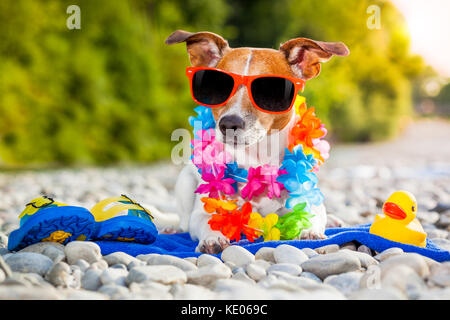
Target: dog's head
(298,58)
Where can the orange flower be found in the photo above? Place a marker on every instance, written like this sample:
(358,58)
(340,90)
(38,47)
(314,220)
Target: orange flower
(212,205)
(307,128)
(233,223)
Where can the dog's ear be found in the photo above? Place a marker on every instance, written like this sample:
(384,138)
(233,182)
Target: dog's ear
(205,49)
(305,55)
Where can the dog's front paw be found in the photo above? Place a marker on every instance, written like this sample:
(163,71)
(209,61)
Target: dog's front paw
(312,235)
(213,244)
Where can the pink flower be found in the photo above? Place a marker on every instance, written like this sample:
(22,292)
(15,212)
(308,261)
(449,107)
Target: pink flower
(323,147)
(270,175)
(214,176)
(206,137)
(255,184)
(215,153)
(209,151)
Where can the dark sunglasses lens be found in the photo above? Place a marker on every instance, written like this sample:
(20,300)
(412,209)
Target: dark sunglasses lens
(272,93)
(212,87)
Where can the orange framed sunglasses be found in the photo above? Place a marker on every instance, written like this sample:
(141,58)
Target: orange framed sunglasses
(269,93)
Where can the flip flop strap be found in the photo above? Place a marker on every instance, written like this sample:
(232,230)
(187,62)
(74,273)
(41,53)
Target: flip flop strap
(39,203)
(100,214)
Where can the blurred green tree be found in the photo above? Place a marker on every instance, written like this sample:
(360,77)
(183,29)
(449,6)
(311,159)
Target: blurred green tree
(113,92)
(361,97)
(110,92)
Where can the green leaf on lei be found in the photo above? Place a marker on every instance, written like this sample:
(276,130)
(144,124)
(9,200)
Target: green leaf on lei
(292,223)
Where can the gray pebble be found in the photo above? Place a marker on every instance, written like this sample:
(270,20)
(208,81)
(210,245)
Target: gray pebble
(377,294)
(207,275)
(308,288)
(40,247)
(242,276)
(365,259)
(114,276)
(230,265)
(412,260)
(327,249)
(230,289)
(311,276)
(263,263)
(54,253)
(237,255)
(347,283)
(119,257)
(114,290)
(134,264)
(27,280)
(17,292)
(5,267)
(192,260)
(289,268)
(435,294)
(82,264)
(237,270)
(289,254)
(309,252)
(145,257)
(350,246)
(444,220)
(440,274)
(146,286)
(365,249)
(100,265)
(171,260)
(332,263)
(119,266)
(403,278)
(206,259)
(164,274)
(256,271)
(71,294)
(91,279)
(29,262)
(3,239)
(388,253)
(265,253)
(2,276)
(430,217)
(85,250)
(437,233)
(60,275)
(192,292)
(442,243)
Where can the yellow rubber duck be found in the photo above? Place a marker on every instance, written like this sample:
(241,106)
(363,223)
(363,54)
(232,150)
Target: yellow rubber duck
(399,222)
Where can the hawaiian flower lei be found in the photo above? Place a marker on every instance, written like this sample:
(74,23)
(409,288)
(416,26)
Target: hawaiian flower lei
(305,153)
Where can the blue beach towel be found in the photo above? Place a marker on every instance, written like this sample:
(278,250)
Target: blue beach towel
(182,246)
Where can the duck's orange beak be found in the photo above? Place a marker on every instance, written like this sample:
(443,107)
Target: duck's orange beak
(393,211)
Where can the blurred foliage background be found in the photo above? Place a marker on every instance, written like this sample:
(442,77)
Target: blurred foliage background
(112,92)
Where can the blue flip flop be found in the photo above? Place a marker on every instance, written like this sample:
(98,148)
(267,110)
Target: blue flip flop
(47,220)
(44,219)
(126,220)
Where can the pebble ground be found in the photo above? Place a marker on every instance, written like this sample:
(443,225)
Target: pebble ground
(355,181)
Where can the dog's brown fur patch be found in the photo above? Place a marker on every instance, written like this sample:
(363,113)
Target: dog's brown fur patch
(263,61)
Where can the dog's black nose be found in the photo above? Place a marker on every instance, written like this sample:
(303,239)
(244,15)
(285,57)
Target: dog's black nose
(231,122)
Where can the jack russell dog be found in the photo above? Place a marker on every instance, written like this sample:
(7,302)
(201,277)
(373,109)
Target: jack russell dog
(247,125)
